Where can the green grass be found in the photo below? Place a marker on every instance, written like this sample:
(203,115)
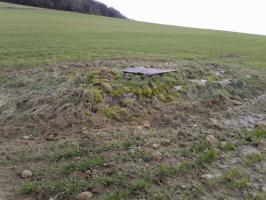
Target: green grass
(37,36)
(28,187)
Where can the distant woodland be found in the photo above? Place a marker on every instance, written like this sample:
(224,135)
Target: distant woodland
(82,6)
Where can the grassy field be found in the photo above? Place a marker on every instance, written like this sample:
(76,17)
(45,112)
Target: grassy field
(76,123)
(31,36)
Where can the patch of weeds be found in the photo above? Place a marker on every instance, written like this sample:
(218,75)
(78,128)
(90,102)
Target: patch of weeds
(116,113)
(182,169)
(207,157)
(130,143)
(253,159)
(63,188)
(166,170)
(185,167)
(237,83)
(140,185)
(121,178)
(119,195)
(198,189)
(259,133)
(67,169)
(194,192)
(246,86)
(185,195)
(28,187)
(260,196)
(235,178)
(212,77)
(214,98)
(106,181)
(97,95)
(193,72)
(67,151)
(199,147)
(254,137)
(229,146)
(27,154)
(89,164)
(144,155)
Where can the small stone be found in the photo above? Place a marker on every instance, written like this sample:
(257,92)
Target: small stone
(261,124)
(157,156)
(89,172)
(50,137)
(224,82)
(84,131)
(155,146)
(84,196)
(183,187)
(27,137)
(76,158)
(216,123)
(178,88)
(146,124)
(165,142)
(201,82)
(26,174)
(212,140)
(51,198)
(132,151)
(236,102)
(207,177)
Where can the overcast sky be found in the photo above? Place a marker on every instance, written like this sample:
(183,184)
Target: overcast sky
(247,16)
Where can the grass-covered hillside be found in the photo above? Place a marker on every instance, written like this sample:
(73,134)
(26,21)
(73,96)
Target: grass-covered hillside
(73,126)
(32,36)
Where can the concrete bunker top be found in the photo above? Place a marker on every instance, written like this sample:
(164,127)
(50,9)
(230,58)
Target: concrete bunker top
(147,71)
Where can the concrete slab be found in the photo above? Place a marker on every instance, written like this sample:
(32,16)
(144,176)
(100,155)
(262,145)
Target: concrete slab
(147,71)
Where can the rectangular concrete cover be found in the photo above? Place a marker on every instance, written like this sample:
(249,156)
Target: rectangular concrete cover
(146,71)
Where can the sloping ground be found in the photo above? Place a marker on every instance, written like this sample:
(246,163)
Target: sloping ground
(31,36)
(198,133)
(86,127)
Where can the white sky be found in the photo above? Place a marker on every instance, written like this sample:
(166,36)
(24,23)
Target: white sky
(248,16)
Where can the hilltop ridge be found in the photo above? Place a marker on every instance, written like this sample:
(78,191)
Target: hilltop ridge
(81,6)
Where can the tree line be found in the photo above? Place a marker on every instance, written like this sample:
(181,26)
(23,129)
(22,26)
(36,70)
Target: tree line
(82,6)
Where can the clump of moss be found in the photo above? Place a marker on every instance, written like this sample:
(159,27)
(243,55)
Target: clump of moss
(97,95)
(115,112)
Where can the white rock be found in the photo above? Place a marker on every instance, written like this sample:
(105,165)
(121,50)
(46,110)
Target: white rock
(25,174)
(201,82)
(27,137)
(207,177)
(178,88)
(84,196)
(224,82)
